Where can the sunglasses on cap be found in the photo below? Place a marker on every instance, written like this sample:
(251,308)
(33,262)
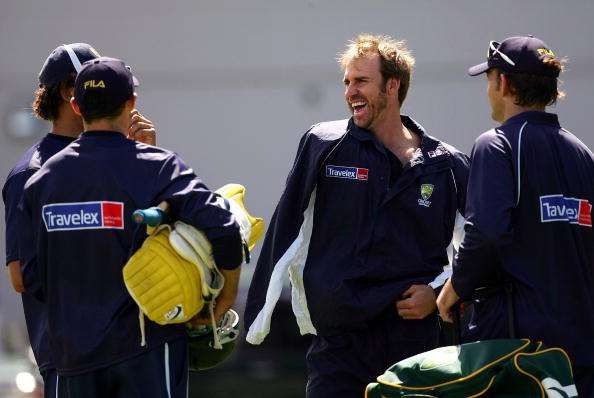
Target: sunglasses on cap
(494,49)
(73,58)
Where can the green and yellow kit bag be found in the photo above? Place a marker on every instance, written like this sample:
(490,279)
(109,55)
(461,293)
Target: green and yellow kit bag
(491,368)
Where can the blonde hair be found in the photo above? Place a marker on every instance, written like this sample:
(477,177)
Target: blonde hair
(396,61)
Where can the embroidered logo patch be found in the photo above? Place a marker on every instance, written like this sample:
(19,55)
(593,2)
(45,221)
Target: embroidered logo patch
(559,208)
(426,192)
(351,173)
(83,215)
(439,151)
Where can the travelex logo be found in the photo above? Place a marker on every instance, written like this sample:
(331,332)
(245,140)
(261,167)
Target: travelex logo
(560,208)
(83,215)
(351,173)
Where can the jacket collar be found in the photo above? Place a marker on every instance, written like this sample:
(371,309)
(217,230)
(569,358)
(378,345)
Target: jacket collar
(429,149)
(534,117)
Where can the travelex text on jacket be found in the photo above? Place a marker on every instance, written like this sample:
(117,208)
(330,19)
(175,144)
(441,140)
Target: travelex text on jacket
(79,205)
(529,214)
(351,241)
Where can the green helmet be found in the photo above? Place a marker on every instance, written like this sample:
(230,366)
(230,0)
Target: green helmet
(203,355)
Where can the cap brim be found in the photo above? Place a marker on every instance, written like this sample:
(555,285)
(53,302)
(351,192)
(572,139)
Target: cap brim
(478,69)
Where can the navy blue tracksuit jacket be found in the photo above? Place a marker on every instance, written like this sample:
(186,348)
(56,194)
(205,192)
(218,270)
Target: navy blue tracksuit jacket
(377,228)
(529,213)
(12,192)
(78,234)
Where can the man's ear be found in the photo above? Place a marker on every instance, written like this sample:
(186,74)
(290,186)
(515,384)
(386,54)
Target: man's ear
(131,103)
(504,85)
(75,107)
(392,87)
(66,92)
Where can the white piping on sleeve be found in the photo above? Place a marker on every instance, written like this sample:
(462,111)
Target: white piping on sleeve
(293,257)
(457,237)
(167,380)
(454,181)
(298,299)
(519,157)
(442,278)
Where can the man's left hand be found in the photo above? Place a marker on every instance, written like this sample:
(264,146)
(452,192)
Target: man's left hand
(417,302)
(141,129)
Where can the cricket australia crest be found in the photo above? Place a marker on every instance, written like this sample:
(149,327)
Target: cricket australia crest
(426,192)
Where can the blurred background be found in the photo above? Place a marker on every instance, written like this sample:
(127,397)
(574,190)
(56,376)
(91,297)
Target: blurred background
(231,86)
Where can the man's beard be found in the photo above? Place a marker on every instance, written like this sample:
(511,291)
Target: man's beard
(379,105)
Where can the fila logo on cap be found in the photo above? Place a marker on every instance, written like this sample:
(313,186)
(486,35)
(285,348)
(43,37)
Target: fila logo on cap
(351,173)
(94,84)
(545,51)
(83,215)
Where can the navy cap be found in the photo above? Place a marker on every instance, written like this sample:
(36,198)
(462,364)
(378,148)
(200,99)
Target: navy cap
(109,79)
(518,54)
(64,60)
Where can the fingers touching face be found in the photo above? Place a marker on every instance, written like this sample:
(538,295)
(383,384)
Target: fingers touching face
(141,129)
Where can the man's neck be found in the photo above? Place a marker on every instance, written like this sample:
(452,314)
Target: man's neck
(67,123)
(66,129)
(396,137)
(388,129)
(512,110)
(105,125)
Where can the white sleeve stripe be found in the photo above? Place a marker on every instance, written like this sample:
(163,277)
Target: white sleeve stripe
(454,179)
(167,373)
(293,258)
(519,158)
(441,278)
(457,237)
(296,268)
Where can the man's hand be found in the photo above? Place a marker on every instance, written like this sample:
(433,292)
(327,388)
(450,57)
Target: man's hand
(417,302)
(141,129)
(447,298)
(225,299)
(229,293)
(16,278)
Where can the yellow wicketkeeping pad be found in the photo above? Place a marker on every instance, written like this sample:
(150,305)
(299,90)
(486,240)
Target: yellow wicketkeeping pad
(165,286)
(252,228)
(173,274)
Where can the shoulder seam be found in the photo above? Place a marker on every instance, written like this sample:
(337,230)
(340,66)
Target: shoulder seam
(11,176)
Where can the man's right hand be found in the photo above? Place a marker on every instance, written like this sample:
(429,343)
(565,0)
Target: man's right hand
(229,293)
(16,277)
(225,299)
(141,129)
(417,302)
